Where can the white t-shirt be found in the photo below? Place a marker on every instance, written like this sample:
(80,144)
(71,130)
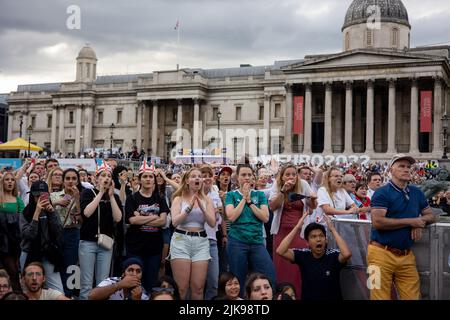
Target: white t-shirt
(217,203)
(49,294)
(341,200)
(118,295)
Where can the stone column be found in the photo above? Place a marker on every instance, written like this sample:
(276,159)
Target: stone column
(308,119)
(288,120)
(25,125)
(414,138)
(348,129)
(196,126)
(267,123)
(78,130)
(328,105)
(370,118)
(88,123)
(437,123)
(179,134)
(53,135)
(10,126)
(155,129)
(392,149)
(139,126)
(61,140)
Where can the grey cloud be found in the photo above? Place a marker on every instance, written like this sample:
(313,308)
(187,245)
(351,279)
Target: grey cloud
(214,33)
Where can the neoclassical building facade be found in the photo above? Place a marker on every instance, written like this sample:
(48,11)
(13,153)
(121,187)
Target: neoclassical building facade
(363,100)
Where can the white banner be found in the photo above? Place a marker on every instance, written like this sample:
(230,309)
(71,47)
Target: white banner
(88,164)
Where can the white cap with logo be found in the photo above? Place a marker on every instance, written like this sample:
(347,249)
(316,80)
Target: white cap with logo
(399,157)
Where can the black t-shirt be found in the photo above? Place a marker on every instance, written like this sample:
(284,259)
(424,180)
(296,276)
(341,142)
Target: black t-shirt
(320,277)
(89,227)
(143,240)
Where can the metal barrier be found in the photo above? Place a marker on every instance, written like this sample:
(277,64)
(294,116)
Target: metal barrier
(432,257)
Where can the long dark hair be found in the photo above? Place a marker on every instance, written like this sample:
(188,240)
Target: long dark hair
(79,186)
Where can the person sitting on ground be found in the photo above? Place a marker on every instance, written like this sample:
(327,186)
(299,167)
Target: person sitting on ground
(34,280)
(229,287)
(258,287)
(5,284)
(127,287)
(168,282)
(163,294)
(285,291)
(320,267)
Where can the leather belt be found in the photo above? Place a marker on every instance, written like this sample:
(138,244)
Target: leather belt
(192,233)
(395,251)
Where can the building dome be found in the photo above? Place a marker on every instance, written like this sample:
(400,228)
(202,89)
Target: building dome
(87,53)
(391,11)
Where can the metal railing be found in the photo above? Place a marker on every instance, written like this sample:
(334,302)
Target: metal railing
(432,257)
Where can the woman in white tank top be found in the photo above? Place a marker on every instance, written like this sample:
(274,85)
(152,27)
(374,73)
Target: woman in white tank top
(189,247)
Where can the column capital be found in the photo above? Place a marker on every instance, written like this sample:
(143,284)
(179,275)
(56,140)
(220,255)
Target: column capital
(413,80)
(267,96)
(308,86)
(392,82)
(179,101)
(196,100)
(328,85)
(154,102)
(437,80)
(288,87)
(370,83)
(348,84)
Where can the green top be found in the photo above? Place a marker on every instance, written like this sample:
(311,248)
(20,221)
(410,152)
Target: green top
(12,207)
(248,227)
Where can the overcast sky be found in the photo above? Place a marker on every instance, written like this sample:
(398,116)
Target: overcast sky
(138,36)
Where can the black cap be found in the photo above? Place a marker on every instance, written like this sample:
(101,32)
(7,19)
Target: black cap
(38,187)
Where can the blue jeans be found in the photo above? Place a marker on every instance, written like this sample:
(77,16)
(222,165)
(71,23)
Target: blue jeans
(150,271)
(212,277)
(71,240)
(255,256)
(92,258)
(52,278)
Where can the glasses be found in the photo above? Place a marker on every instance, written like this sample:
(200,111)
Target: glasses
(31,274)
(57,175)
(159,289)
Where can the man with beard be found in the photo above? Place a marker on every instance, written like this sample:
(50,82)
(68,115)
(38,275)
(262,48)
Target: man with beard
(34,279)
(320,267)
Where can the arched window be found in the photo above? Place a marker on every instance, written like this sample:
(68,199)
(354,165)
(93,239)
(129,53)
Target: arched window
(369,37)
(347,41)
(394,40)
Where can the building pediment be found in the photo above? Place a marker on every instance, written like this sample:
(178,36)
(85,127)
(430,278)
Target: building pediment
(358,58)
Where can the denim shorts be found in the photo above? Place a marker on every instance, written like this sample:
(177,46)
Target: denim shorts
(192,248)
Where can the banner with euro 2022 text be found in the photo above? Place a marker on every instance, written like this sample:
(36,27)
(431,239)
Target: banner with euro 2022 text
(298,115)
(426,100)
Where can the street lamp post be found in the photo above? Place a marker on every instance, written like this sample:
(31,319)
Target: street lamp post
(29,133)
(219,115)
(444,119)
(111,128)
(21,124)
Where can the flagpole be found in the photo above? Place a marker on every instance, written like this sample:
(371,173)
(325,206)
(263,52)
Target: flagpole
(178,45)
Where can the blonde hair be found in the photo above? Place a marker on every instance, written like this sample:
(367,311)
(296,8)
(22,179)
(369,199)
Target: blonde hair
(184,187)
(280,183)
(326,179)
(49,178)
(2,188)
